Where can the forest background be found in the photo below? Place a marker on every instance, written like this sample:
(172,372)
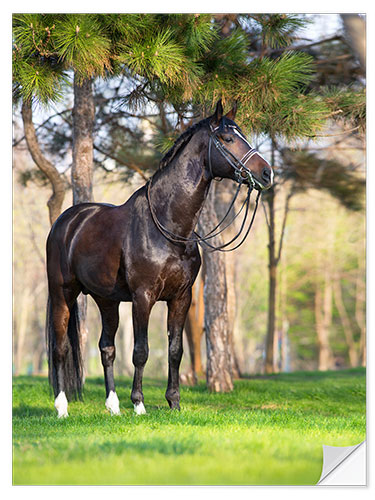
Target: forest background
(317,208)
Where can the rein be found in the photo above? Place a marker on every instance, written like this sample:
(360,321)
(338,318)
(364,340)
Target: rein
(240,169)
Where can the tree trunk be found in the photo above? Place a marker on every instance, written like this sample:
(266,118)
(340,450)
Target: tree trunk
(322,328)
(224,193)
(272,269)
(284,324)
(323,304)
(353,356)
(355,29)
(327,315)
(83,122)
(219,370)
(126,339)
(50,171)
(82,166)
(194,328)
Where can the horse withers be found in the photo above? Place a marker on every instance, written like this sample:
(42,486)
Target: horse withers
(120,253)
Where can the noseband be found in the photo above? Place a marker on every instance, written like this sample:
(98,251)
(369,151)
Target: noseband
(240,169)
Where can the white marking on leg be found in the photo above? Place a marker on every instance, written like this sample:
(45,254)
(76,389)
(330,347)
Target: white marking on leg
(61,405)
(140,409)
(112,403)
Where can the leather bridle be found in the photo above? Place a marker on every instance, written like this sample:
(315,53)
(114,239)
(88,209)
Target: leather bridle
(242,173)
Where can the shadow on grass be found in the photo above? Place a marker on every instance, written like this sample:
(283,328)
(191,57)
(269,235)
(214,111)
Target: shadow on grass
(23,411)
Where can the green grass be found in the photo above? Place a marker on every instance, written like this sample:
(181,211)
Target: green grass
(269,430)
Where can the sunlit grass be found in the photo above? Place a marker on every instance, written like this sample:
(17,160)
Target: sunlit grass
(269,430)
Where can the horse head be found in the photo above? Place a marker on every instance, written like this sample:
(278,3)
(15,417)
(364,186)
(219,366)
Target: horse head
(231,156)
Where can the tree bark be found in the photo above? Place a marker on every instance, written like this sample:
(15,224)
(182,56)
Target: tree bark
(194,328)
(82,166)
(272,269)
(355,28)
(283,322)
(126,339)
(322,314)
(50,171)
(323,303)
(219,370)
(83,123)
(224,193)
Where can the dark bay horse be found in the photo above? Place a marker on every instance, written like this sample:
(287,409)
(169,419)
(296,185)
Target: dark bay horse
(119,253)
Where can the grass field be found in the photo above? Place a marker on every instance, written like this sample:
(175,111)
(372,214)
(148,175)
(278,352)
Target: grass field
(269,430)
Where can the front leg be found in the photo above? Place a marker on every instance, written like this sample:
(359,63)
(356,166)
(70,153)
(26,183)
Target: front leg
(177,311)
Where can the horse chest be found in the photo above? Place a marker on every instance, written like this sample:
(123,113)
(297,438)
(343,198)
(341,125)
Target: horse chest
(165,274)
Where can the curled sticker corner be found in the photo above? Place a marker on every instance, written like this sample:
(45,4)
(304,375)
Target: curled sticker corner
(344,465)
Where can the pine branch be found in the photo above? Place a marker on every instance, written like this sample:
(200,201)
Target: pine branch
(41,125)
(292,48)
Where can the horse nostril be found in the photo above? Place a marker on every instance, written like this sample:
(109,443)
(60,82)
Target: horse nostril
(266,174)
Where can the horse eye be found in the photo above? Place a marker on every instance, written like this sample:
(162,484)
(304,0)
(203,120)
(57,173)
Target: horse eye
(228,139)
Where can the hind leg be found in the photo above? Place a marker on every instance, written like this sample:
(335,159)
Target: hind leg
(110,320)
(60,313)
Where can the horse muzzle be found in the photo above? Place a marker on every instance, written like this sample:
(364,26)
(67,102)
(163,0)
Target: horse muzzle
(260,184)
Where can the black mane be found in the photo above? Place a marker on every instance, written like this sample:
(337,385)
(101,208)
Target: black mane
(181,142)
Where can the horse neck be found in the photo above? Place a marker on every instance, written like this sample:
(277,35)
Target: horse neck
(179,190)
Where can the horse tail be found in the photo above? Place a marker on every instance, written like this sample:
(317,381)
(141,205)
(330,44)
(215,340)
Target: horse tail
(73,363)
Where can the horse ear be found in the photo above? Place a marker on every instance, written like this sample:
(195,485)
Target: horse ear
(217,116)
(232,113)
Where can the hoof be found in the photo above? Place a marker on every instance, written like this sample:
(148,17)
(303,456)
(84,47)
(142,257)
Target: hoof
(173,398)
(112,403)
(174,406)
(139,409)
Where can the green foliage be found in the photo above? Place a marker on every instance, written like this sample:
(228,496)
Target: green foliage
(126,28)
(278,30)
(196,33)
(153,47)
(82,45)
(32,34)
(272,98)
(283,420)
(34,78)
(33,75)
(160,56)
